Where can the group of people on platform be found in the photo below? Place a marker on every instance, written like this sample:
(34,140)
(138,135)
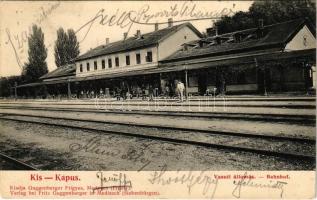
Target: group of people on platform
(146,93)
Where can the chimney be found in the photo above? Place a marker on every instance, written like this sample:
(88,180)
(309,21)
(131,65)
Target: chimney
(156,27)
(211,32)
(107,41)
(185,47)
(125,35)
(170,22)
(138,34)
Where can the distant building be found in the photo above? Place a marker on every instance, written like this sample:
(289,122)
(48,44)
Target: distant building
(268,58)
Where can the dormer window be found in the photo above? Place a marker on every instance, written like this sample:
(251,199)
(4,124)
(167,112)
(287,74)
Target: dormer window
(148,57)
(218,40)
(237,37)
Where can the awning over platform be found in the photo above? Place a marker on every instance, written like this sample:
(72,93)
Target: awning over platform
(30,85)
(225,60)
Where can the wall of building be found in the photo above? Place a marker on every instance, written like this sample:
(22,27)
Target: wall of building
(304,39)
(168,46)
(122,62)
(292,78)
(242,87)
(173,43)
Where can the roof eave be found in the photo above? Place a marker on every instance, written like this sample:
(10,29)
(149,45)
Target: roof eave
(74,73)
(131,49)
(267,46)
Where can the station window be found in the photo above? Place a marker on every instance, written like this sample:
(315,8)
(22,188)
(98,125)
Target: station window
(81,68)
(148,57)
(103,64)
(109,63)
(88,67)
(127,60)
(117,61)
(95,65)
(138,58)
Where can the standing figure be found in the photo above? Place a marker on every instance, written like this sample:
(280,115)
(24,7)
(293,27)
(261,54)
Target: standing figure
(167,91)
(118,93)
(151,91)
(82,94)
(92,94)
(143,92)
(100,93)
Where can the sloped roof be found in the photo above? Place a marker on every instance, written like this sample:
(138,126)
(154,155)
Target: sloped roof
(66,70)
(131,43)
(275,35)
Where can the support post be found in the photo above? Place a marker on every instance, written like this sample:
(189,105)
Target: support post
(307,71)
(264,81)
(186,84)
(161,89)
(68,89)
(256,70)
(15,91)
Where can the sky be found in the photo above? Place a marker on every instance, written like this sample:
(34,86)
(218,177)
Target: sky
(94,21)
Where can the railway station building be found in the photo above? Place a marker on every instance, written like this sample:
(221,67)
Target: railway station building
(264,59)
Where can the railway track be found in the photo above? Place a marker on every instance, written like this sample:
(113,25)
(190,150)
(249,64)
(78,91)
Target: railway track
(165,127)
(250,146)
(17,165)
(184,104)
(285,118)
(227,98)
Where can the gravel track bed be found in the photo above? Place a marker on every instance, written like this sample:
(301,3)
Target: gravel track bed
(242,126)
(49,148)
(235,141)
(178,107)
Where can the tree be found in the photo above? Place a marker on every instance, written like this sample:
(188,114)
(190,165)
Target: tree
(66,47)
(7,84)
(271,11)
(60,48)
(72,45)
(36,65)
